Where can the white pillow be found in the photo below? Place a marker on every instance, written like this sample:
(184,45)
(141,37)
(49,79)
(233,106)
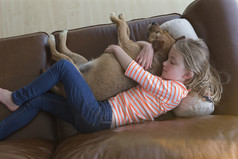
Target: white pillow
(179,27)
(193,105)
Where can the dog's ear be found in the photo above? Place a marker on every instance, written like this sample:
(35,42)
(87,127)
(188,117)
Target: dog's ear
(180,38)
(158,44)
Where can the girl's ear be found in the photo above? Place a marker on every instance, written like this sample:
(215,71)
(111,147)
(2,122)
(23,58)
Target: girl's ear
(188,75)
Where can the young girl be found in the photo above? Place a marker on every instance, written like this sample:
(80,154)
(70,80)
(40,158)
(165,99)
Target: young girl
(187,68)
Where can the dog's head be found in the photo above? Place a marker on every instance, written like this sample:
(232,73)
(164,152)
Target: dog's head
(160,39)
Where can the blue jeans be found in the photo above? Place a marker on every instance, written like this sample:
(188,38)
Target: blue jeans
(80,108)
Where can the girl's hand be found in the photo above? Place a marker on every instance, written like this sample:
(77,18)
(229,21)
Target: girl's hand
(113,49)
(123,58)
(145,57)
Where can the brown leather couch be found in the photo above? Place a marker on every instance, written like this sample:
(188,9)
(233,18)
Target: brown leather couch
(215,136)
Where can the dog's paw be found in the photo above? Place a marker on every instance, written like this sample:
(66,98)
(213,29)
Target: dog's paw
(113,17)
(51,40)
(121,16)
(63,35)
(64,32)
(52,37)
(112,14)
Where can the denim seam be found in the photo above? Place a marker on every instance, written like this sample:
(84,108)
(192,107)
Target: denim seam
(91,111)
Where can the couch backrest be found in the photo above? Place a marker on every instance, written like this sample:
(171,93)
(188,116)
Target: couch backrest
(22,59)
(216,21)
(92,41)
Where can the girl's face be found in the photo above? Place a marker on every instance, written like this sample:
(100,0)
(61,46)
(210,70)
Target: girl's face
(174,68)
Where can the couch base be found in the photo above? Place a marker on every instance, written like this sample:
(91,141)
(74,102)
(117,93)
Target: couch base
(26,148)
(213,136)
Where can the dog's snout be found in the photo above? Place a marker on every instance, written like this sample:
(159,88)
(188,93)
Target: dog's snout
(153,23)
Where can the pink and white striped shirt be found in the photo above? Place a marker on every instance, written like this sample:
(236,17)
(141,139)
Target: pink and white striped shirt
(151,98)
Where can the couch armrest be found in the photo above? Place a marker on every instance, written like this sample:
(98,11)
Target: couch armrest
(22,59)
(216,22)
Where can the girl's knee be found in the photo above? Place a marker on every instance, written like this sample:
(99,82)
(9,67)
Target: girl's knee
(64,64)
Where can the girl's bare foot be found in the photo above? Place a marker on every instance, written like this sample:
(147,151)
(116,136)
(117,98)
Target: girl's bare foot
(6,98)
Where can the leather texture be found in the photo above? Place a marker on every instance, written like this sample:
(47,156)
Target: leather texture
(27,148)
(214,136)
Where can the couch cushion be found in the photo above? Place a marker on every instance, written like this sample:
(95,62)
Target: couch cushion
(25,149)
(211,136)
(22,59)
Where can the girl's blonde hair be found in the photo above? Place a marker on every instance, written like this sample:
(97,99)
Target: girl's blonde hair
(206,80)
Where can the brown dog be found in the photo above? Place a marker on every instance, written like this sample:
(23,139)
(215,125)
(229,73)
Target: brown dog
(110,80)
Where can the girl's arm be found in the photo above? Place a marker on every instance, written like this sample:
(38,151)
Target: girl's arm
(168,91)
(121,55)
(145,57)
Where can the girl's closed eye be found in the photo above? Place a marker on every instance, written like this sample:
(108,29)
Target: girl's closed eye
(172,62)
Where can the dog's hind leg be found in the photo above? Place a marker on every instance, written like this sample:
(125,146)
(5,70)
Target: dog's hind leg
(56,56)
(123,30)
(78,59)
(130,47)
(122,17)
